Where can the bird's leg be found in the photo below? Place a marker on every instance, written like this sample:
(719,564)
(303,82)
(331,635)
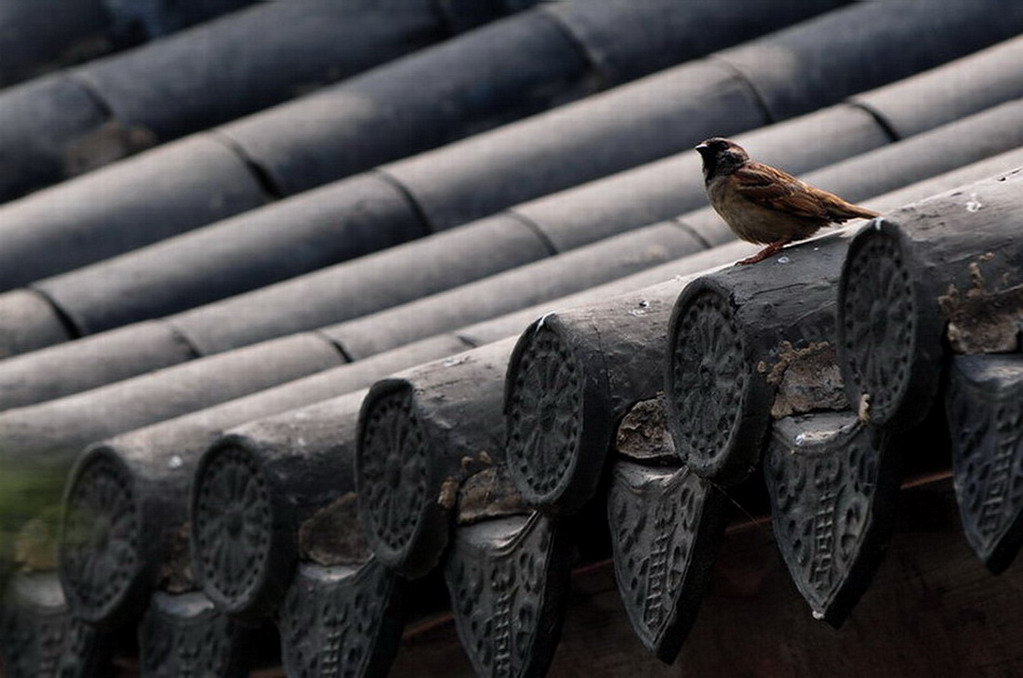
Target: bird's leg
(764,253)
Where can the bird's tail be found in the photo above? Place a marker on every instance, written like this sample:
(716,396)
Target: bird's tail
(845,211)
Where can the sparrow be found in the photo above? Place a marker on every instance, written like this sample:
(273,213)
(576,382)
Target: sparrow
(762,204)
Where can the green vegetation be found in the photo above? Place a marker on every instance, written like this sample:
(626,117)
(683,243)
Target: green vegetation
(29,516)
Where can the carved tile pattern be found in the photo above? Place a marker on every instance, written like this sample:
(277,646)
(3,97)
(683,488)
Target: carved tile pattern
(99,554)
(987,444)
(498,600)
(822,508)
(709,373)
(653,530)
(879,319)
(545,412)
(392,480)
(32,644)
(232,524)
(37,643)
(331,627)
(85,651)
(190,645)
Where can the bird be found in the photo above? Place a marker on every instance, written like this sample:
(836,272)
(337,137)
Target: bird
(763,204)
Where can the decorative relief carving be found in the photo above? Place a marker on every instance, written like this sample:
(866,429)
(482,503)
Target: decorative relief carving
(232,526)
(708,382)
(986,424)
(333,622)
(40,639)
(33,644)
(392,471)
(544,415)
(86,651)
(506,581)
(185,637)
(832,493)
(100,538)
(878,318)
(665,528)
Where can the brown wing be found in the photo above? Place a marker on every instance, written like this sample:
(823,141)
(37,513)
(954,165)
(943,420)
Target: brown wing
(774,189)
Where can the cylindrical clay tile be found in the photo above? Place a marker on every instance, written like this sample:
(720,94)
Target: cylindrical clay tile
(572,376)
(658,34)
(36,37)
(551,65)
(369,283)
(150,470)
(114,356)
(157,19)
(726,331)
(639,122)
(606,133)
(920,55)
(269,476)
(996,165)
(520,287)
(923,280)
(513,323)
(320,299)
(413,544)
(113,200)
(59,428)
(218,72)
(27,379)
(626,40)
(29,321)
(285,485)
(855,49)
(392,112)
(422,433)
(133,203)
(245,251)
(360,215)
(566,387)
(158,461)
(208,76)
(157,364)
(40,119)
(47,125)
(672,186)
(966,86)
(42,440)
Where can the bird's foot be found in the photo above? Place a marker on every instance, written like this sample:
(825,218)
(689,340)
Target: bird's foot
(773,248)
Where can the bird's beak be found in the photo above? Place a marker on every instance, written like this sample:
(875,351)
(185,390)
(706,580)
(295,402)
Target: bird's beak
(699,147)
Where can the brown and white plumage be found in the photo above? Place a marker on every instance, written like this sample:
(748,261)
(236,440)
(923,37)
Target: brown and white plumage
(765,205)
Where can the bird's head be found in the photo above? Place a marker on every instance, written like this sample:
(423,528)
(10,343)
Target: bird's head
(721,156)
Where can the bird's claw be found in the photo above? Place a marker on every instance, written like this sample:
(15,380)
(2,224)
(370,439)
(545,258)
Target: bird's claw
(763,254)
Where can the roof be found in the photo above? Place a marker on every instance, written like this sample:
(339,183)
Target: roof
(452,351)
